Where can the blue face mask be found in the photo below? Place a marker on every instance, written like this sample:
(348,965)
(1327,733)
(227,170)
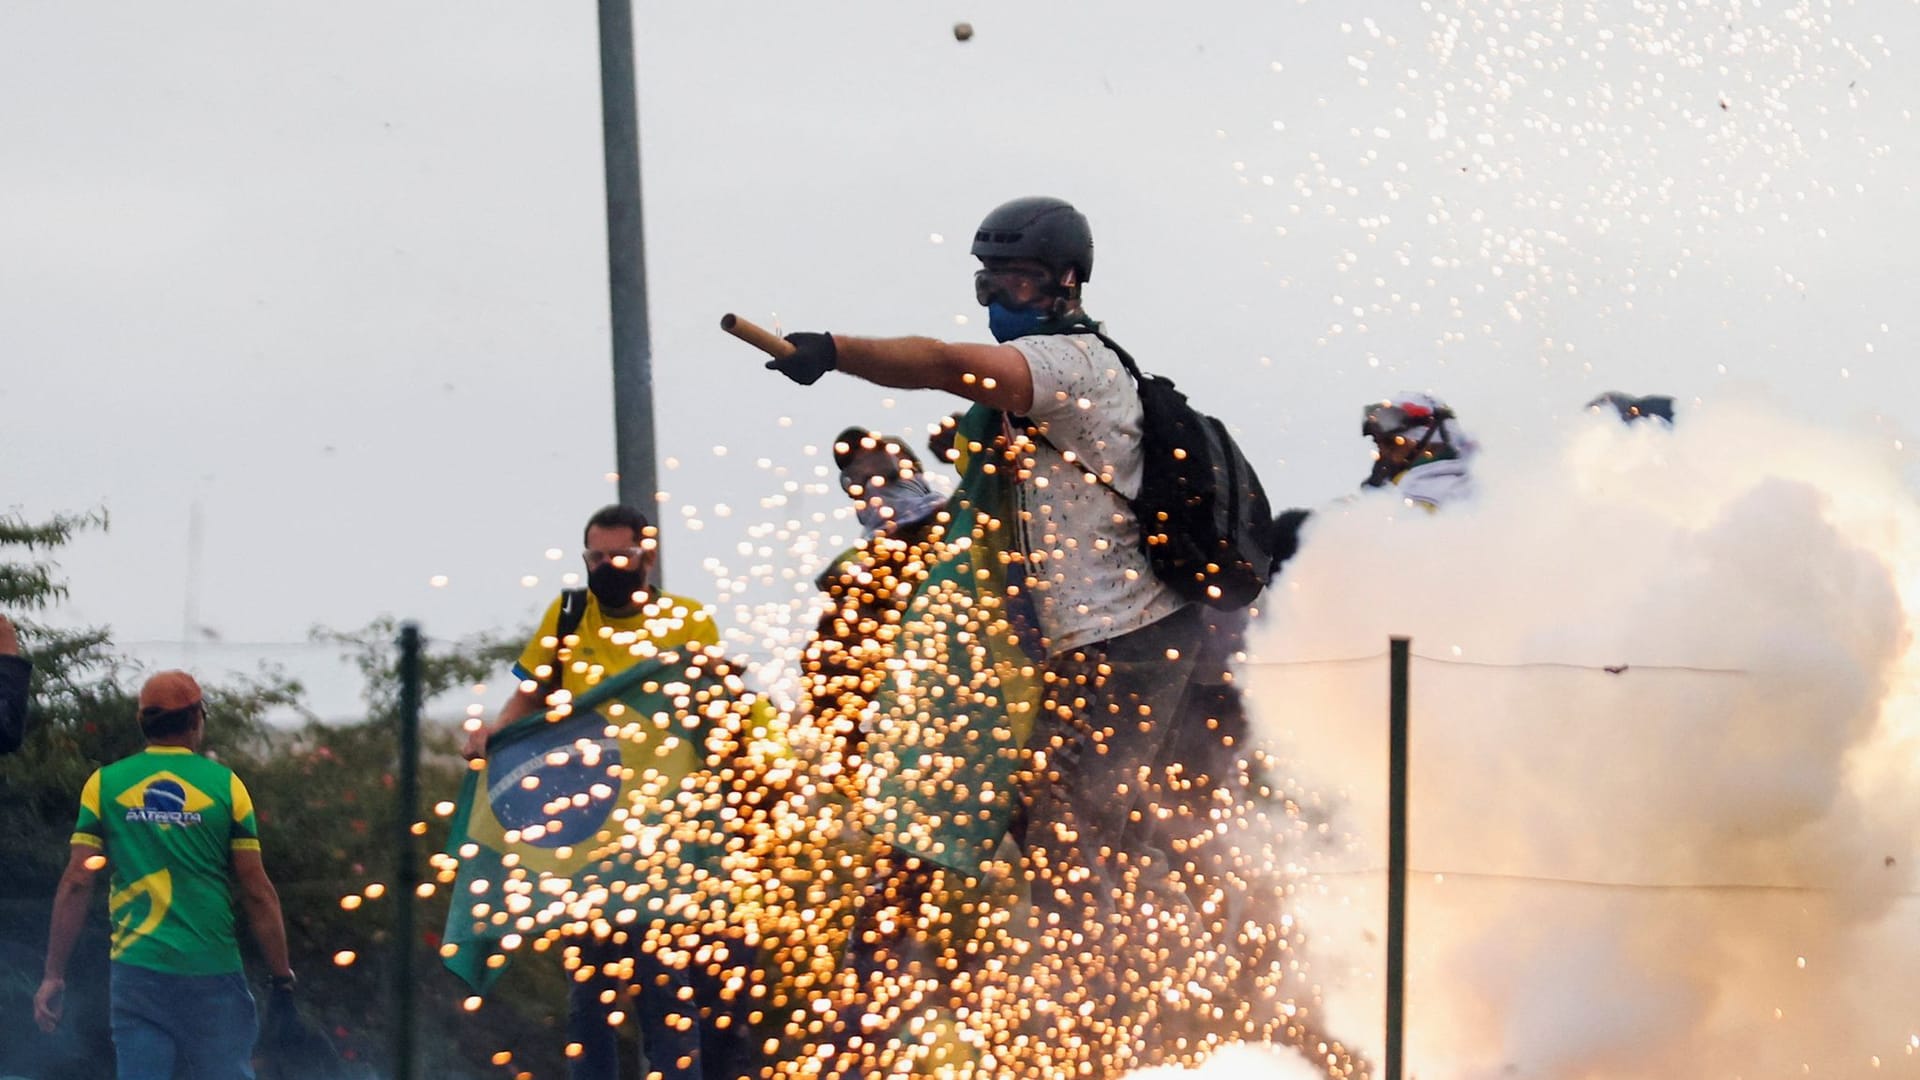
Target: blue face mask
(1008,323)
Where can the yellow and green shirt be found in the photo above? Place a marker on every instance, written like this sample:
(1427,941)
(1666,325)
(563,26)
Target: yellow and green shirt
(608,646)
(167,819)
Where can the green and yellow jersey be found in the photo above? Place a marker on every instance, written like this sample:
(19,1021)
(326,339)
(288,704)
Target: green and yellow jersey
(167,820)
(608,646)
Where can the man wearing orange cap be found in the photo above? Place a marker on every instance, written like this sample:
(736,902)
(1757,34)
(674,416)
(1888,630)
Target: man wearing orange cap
(177,829)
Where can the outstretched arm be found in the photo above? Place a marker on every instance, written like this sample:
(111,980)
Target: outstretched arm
(993,375)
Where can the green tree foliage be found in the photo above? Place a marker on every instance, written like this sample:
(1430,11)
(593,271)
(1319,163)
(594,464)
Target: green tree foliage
(326,798)
(30,583)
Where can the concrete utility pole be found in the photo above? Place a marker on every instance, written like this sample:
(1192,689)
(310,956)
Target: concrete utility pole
(633,429)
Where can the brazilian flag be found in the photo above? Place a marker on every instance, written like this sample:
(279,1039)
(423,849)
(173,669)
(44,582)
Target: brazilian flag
(946,741)
(630,805)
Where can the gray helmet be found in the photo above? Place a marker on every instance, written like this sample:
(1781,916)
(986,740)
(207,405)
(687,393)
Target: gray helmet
(1038,227)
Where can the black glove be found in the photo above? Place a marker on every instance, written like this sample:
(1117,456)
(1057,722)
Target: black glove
(813,356)
(1283,540)
(281,1026)
(292,1046)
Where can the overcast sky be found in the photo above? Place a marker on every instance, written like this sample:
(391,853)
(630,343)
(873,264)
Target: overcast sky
(336,273)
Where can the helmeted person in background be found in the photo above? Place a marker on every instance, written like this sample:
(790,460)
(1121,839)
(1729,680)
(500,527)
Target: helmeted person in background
(868,590)
(15,674)
(867,585)
(1419,450)
(180,833)
(1631,408)
(690,1027)
(1119,643)
(887,483)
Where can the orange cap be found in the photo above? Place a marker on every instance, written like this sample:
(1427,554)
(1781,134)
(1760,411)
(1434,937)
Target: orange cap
(169,690)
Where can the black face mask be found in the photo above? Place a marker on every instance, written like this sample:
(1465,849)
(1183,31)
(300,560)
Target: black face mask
(614,586)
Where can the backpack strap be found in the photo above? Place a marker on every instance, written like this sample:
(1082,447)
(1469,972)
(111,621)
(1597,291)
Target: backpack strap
(1126,358)
(573,608)
(1084,324)
(1088,326)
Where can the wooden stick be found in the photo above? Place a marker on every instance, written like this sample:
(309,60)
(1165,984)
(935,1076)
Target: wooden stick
(765,340)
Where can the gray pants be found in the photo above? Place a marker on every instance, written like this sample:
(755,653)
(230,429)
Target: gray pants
(1108,713)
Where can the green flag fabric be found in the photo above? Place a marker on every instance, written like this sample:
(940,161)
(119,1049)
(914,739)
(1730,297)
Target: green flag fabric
(640,802)
(945,743)
(626,806)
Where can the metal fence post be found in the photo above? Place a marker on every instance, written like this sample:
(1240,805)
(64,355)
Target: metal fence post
(1399,652)
(406,878)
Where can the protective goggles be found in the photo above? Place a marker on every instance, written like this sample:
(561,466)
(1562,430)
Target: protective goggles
(1014,288)
(1391,419)
(622,558)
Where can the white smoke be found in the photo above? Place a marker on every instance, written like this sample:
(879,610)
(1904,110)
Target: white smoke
(1649,874)
(1238,1062)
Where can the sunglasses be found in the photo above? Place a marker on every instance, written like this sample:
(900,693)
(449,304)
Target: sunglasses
(1394,419)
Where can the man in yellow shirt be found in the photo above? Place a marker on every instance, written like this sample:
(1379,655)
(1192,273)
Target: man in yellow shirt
(689,1027)
(617,619)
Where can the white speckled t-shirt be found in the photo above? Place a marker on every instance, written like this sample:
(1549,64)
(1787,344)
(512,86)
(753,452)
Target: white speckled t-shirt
(1090,580)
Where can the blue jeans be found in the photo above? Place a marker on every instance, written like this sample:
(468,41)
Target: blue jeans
(691,1028)
(205,1024)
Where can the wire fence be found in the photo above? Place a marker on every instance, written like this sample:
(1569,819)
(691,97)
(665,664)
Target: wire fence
(1523,665)
(1583,738)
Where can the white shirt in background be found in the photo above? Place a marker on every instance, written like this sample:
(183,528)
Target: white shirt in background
(1435,484)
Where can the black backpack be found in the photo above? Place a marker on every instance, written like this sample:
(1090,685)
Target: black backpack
(1203,513)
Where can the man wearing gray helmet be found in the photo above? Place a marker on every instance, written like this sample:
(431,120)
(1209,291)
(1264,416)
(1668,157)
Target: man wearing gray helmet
(1116,645)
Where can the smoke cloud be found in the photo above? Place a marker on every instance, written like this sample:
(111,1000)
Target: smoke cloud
(1698,865)
(1239,1062)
